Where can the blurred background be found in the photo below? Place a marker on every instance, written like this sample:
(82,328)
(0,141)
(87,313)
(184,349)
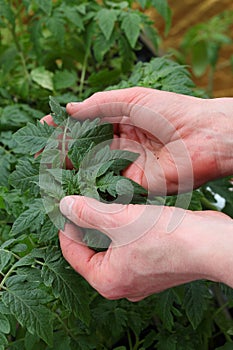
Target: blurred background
(209,24)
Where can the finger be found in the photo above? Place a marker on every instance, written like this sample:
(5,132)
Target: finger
(48,119)
(78,255)
(112,103)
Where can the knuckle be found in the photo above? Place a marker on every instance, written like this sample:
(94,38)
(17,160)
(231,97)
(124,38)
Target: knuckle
(97,95)
(109,289)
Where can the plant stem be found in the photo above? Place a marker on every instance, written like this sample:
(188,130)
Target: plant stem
(67,330)
(207,205)
(218,294)
(6,150)
(130,340)
(39,262)
(8,251)
(137,342)
(223,308)
(19,47)
(9,272)
(64,144)
(83,73)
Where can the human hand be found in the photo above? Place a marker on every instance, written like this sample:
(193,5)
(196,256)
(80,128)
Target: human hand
(183,141)
(153,248)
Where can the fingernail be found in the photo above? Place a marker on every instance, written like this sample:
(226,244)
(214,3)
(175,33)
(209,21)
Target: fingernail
(66,205)
(72,104)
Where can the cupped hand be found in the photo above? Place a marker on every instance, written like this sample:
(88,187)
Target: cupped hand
(173,133)
(153,248)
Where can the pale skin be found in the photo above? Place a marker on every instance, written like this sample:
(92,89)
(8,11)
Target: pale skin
(179,138)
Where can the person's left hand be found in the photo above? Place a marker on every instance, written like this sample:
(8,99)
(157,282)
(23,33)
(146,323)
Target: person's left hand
(153,248)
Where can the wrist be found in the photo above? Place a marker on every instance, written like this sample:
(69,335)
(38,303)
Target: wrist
(220,112)
(209,247)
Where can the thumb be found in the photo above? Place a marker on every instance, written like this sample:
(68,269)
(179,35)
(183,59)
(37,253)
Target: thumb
(113,103)
(89,213)
(122,223)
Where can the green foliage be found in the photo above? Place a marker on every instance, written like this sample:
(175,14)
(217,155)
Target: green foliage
(160,73)
(202,43)
(86,35)
(70,49)
(96,170)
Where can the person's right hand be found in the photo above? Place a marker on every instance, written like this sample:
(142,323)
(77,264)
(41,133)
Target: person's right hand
(153,247)
(183,141)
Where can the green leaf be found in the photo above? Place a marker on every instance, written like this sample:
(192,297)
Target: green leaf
(118,4)
(25,261)
(72,14)
(43,77)
(106,19)
(26,176)
(195,302)
(102,158)
(68,180)
(49,231)
(143,3)
(19,248)
(59,113)
(3,342)
(166,342)
(125,189)
(45,5)
(56,25)
(51,206)
(110,317)
(33,138)
(164,308)
(7,139)
(104,78)
(31,218)
(49,187)
(66,285)
(5,257)
(131,27)
(4,324)
(100,47)
(62,341)
(6,11)
(108,183)
(15,116)
(50,157)
(99,171)
(96,240)
(189,200)
(160,73)
(30,341)
(87,184)
(5,165)
(152,34)
(127,55)
(26,305)
(64,79)
(200,59)
(165,11)
(78,129)
(226,346)
(86,141)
